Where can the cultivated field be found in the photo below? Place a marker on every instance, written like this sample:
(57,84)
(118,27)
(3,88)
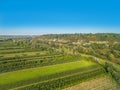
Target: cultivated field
(44,72)
(51,62)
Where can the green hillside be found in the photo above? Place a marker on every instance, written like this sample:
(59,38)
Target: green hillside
(60,61)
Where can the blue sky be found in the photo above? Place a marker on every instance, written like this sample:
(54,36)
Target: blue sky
(59,16)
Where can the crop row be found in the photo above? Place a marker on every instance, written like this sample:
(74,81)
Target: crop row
(114,70)
(69,73)
(35,62)
(64,81)
(20,50)
(27,58)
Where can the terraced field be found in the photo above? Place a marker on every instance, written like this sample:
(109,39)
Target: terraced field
(23,67)
(10,78)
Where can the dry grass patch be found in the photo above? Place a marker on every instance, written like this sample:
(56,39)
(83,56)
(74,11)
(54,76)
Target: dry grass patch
(102,83)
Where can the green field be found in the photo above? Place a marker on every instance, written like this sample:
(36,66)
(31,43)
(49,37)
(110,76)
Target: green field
(12,77)
(22,54)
